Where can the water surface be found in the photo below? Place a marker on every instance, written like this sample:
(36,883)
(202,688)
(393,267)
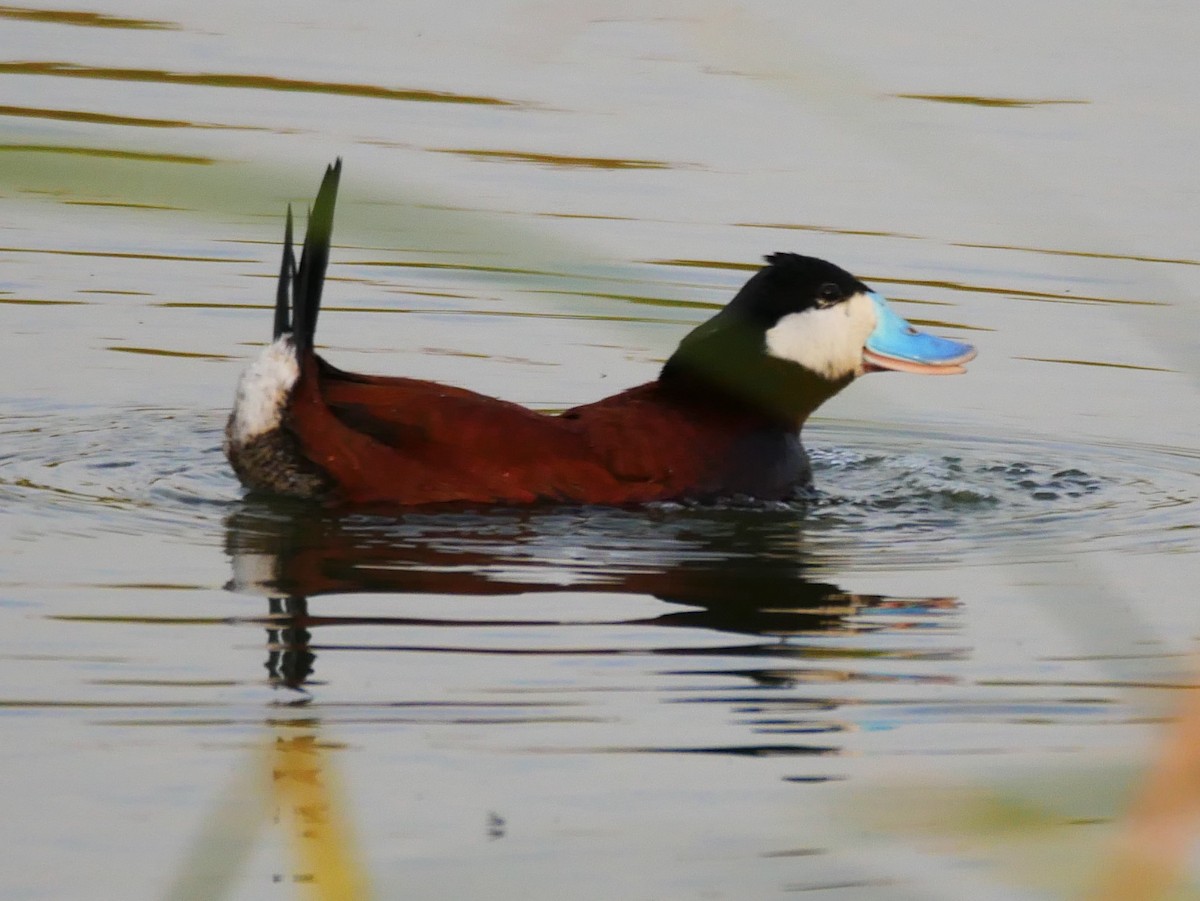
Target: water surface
(971,637)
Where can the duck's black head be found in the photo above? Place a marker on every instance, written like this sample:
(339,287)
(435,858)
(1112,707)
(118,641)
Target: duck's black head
(799,331)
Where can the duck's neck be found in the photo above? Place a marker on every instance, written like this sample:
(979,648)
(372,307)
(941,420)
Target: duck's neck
(760,387)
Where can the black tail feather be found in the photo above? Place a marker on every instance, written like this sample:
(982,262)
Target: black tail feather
(310,277)
(287,271)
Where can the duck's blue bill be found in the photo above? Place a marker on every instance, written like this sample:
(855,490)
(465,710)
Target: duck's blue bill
(896,344)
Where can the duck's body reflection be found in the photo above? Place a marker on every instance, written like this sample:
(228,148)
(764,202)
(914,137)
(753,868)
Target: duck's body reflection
(731,571)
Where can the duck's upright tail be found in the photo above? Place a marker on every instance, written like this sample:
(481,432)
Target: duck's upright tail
(261,449)
(298,296)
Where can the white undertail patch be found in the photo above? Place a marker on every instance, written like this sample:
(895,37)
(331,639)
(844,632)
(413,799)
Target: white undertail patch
(263,391)
(825,340)
(255,574)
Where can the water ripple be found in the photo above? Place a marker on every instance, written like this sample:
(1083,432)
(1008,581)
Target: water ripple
(1025,498)
(886,497)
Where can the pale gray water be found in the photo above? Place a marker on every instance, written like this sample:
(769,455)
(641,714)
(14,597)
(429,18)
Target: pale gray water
(995,588)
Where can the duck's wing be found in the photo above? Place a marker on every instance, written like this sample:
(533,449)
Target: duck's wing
(412,442)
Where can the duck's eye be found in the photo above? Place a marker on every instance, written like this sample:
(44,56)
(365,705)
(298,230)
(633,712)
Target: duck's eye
(828,294)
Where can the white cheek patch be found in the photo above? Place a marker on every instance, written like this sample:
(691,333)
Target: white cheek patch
(263,391)
(828,341)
